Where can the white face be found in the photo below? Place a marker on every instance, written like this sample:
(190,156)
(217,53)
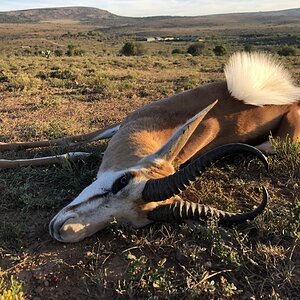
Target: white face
(114,195)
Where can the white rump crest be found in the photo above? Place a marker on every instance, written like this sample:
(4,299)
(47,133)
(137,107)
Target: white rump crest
(258,79)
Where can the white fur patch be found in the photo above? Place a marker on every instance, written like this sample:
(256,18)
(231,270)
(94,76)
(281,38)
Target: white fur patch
(258,79)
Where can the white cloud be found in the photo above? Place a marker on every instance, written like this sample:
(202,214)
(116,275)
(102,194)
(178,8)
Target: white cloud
(158,7)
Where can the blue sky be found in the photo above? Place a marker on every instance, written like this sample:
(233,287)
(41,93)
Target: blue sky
(159,7)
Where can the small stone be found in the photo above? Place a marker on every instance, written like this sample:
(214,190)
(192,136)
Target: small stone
(46,283)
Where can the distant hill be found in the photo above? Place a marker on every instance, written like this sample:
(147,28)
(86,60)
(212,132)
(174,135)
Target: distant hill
(83,15)
(294,12)
(99,17)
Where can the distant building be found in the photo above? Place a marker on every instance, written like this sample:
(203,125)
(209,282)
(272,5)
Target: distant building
(169,38)
(146,39)
(150,39)
(181,38)
(189,38)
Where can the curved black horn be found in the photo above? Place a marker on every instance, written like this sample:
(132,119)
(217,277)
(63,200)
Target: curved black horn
(167,187)
(182,210)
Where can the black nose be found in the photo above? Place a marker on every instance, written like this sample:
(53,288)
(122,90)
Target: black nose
(54,229)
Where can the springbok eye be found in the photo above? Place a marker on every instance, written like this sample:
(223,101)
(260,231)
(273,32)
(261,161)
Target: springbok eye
(121,182)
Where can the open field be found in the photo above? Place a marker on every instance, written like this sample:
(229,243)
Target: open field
(48,97)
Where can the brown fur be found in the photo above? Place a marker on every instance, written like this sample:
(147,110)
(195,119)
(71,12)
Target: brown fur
(147,129)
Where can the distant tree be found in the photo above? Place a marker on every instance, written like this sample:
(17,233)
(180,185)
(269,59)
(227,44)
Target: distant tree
(196,49)
(132,49)
(287,51)
(219,50)
(248,48)
(128,49)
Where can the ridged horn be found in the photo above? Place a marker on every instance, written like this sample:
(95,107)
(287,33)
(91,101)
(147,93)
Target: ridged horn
(183,210)
(167,187)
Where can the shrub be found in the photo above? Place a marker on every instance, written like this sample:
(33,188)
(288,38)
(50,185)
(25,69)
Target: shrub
(196,49)
(59,52)
(23,82)
(54,101)
(65,74)
(133,49)
(69,52)
(75,52)
(219,50)
(79,52)
(287,51)
(128,49)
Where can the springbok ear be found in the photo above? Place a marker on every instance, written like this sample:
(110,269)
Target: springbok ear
(177,141)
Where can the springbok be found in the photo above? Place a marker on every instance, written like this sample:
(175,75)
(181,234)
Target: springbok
(139,180)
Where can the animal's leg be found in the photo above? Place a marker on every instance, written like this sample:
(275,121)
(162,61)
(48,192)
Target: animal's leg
(101,134)
(289,127)
(56,159)
(69,141)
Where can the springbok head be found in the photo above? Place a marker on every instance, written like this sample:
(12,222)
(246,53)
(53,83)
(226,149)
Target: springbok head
(138,193)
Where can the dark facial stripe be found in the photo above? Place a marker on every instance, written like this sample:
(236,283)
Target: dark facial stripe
(89,200)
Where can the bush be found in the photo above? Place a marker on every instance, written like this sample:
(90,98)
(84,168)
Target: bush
(133,49)
(128,49)
(70,52)
(74,50)
(287,51)
(79,52)
(196,49)
(219,50)
(65,74)
(59,52)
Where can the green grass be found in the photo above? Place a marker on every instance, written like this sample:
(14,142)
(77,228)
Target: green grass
(11,289)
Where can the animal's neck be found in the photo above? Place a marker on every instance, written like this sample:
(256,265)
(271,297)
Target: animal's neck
(131,144)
